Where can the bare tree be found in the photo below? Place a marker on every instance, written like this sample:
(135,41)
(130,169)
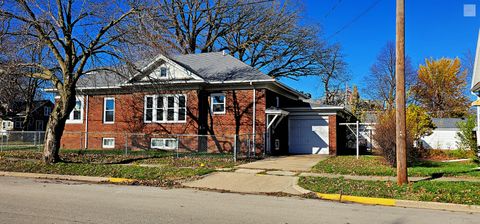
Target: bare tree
(17,86)
(264,34)
(79,35)
(333,74)
(381,82)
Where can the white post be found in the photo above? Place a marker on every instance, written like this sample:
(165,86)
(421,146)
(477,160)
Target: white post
(235,148)
(478,128)
(358,145)
(176,147)
(86,123)
(254,120)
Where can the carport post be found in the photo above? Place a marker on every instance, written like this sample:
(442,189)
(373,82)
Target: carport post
(235,148)
(358,145)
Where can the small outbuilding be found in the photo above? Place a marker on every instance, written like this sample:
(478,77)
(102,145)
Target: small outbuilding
(444,136)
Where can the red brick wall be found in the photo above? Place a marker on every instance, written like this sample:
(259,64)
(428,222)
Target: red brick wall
(129,109)
(332,134)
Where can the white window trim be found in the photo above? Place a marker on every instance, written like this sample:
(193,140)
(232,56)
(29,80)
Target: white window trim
(108,146)
(105,110)
(160,72)
(82,105)
(165,107)
(224,103)
(164,140)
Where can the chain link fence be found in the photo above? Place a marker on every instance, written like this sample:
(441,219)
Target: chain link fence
(237,146)
(21,140)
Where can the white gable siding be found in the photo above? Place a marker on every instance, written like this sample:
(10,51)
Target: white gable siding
(174,72)
(441,139)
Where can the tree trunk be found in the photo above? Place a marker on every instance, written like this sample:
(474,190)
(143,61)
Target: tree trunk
(56,125)
(28,115)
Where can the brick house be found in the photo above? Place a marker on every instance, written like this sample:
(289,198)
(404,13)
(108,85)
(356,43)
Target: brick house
(203,97)
(13,117)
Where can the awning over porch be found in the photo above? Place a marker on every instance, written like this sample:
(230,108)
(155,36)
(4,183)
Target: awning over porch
(275,116)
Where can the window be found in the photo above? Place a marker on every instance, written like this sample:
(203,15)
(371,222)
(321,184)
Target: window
(4,125)
(165,108)
(108,110)
(108,143)
(218,103)
(163,72)
(47,111)
(39,125)
(163,143)
(18,124)
(76,116)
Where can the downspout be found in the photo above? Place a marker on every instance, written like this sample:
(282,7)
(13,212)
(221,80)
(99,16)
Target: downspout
(86,123)
(478,129)
(254,118)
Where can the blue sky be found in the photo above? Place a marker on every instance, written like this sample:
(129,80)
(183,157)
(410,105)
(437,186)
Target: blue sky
(433,28)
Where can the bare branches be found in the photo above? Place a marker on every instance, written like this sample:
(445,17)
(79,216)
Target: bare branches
(332,73)
(382,80)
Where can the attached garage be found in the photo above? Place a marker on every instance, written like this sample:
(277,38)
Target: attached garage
(308,135)
(306,130)
(311,130)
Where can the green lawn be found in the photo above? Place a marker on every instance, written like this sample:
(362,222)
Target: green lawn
(165,176)
(375,165)
(167,169)
(160,158)
(448,192)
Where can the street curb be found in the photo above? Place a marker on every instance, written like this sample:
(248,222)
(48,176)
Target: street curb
(89,179)
(400,203)
(120,180)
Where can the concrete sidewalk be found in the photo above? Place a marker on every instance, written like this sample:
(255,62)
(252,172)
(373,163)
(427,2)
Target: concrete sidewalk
(245,182)
(299,163)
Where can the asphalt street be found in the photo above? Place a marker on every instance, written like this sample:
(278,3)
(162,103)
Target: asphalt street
(45,201)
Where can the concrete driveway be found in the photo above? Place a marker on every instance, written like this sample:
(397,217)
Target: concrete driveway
(286,163)
(271,175)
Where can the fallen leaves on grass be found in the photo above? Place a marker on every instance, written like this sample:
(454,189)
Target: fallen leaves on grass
(438,191)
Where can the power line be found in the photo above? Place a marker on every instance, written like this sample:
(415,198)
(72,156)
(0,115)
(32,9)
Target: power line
(332,9)
(365,12)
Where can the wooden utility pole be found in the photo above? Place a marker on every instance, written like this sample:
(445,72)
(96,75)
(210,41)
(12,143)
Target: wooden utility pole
(400,117)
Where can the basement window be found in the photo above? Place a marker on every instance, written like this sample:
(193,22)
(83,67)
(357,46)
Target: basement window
(163,143)
(108,143)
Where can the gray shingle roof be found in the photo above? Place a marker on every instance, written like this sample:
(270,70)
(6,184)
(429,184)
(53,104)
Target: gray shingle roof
(212,67)
(216,66)
(446,122)
(101,79)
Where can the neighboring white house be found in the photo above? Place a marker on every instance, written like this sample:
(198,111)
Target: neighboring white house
(5,125)
(444,136)
(475,87)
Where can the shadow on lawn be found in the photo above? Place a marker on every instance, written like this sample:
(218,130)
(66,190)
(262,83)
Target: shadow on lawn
(450,174)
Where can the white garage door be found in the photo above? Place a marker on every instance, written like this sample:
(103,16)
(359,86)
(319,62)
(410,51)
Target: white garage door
(308,135)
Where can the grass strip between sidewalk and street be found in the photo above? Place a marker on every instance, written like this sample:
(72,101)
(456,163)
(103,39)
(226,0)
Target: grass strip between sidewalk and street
(433,191)
(376,166)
